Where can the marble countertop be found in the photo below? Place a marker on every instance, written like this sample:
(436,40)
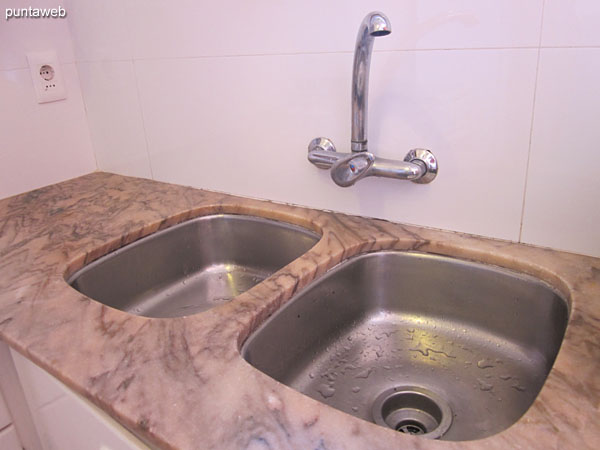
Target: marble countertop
(181,383)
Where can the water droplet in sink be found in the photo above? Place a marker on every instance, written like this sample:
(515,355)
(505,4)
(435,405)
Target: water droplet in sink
(326,391)
(355,408)
(356,389)
(311,375)
(484,364)
(505,377)
(484,386)
(518,387)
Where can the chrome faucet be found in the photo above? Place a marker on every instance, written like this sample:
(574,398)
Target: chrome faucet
(419,165)
(374,25)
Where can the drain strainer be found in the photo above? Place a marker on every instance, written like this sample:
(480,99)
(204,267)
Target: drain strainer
(413,410)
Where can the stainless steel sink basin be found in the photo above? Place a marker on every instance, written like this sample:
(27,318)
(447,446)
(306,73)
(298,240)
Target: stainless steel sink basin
(419,343)
(193,266)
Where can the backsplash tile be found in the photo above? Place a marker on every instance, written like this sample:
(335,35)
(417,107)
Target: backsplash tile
(226,96)
(114,116)
(227,121)
(101,29)
(41,143)
(190,28)
(569,23)
(562,206)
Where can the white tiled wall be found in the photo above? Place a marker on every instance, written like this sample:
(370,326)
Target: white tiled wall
(114,117)
(40,144)
(226,96)
(562,205)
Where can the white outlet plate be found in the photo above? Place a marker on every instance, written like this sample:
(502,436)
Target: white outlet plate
(47,77)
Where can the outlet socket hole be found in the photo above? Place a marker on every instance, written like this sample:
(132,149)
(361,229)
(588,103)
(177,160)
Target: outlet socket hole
(47,72)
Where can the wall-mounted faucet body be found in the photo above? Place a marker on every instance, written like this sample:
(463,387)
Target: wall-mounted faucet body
(419,165)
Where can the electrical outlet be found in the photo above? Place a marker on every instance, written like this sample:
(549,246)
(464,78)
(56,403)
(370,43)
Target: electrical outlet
(47,76)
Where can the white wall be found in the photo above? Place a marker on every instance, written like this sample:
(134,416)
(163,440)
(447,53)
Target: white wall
(40,144)
(227,95)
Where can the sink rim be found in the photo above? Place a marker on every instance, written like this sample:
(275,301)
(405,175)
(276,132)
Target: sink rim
(94,251)
(72,273)
(562,291)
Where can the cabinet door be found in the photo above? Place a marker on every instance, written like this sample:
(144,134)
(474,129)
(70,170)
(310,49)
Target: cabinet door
(65,420)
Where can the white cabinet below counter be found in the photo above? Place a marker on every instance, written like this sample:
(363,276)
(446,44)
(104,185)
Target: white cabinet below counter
(66,421)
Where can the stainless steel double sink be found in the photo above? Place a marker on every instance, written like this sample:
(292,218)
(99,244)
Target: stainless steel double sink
(423,344)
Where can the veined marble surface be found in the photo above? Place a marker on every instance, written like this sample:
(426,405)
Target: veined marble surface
(181,383)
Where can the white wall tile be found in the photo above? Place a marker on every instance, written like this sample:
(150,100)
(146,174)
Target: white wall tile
(187,28)
(219,115)
(100,29)
(242,125)
(562,206)
(114,116)
(571,23)
(19,36)
(9,439)
(41,143)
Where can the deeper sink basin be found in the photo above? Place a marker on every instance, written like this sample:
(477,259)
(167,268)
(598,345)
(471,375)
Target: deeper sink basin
(193,266)
(420,343)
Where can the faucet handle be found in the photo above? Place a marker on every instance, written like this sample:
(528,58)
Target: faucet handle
(321,143)
(348,170)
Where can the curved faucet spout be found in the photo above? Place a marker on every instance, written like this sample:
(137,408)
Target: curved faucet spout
(374,24)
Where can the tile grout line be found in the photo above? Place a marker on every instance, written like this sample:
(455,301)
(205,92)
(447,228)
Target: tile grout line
(139,102)
(333,52)
(537,71)
(87,117)
(340,52)
(131,59)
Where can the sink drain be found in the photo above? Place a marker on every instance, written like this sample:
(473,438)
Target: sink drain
(413,410)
